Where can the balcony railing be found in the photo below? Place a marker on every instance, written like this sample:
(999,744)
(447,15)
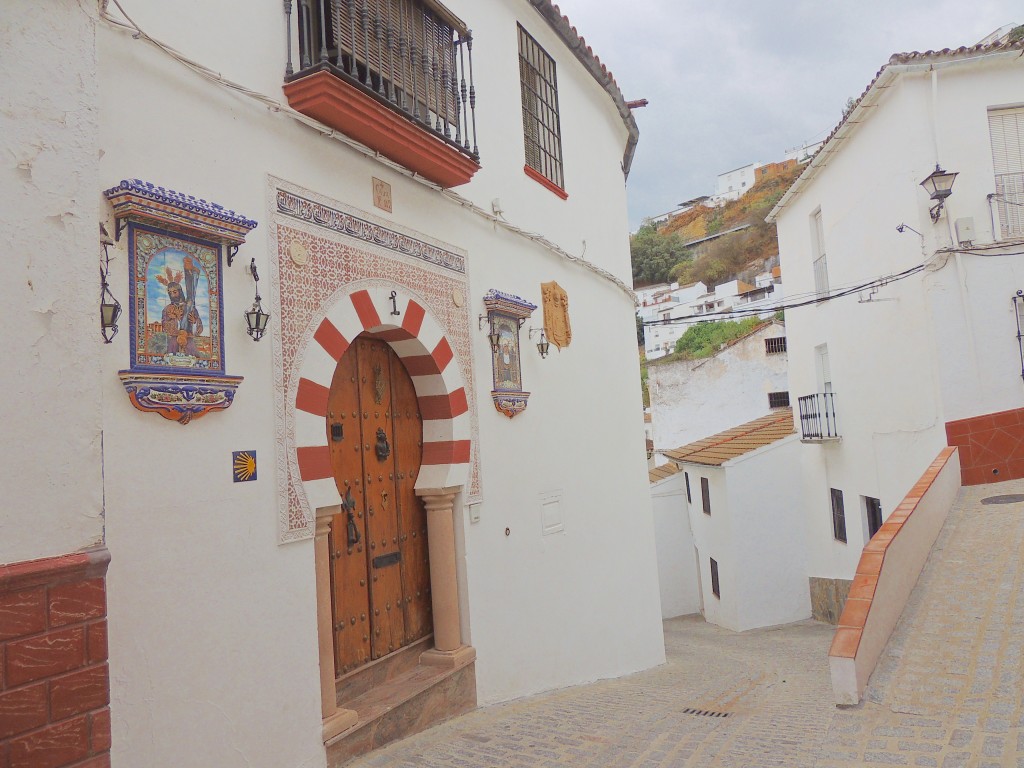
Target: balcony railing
(1009,200)
(818,417)
(410,59)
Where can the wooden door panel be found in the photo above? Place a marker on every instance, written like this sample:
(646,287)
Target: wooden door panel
(348,560)
(387,620)
(408,428)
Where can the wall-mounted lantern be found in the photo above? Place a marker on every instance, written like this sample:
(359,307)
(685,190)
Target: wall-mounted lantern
(255,318)
(543,345)
(110,308)
(939,186)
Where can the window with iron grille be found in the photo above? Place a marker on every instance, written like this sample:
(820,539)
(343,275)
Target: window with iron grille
(778,399)
(714,579)
(838,516)
(1006,130)
(775,345)
(705,495)
(541,128)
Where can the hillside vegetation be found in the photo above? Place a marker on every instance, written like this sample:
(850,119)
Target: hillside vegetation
(661,254)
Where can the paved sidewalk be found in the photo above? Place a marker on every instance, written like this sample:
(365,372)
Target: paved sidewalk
(948,690)
(947,693)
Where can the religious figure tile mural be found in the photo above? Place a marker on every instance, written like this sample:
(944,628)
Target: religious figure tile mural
(176,298)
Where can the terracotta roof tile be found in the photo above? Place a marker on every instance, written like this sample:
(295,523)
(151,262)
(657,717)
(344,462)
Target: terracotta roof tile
(660,473)
(718,449)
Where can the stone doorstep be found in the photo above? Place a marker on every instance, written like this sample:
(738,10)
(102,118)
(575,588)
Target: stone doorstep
(406,704)
(367,677)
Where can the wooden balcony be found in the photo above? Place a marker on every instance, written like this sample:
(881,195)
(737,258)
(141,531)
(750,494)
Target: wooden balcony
(396,76)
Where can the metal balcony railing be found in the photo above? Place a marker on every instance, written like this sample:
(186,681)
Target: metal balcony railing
(818,417)
(412,56)
(1009,199)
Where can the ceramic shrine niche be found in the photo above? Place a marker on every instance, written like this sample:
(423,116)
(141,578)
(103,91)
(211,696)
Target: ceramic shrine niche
(505,315)
(176,299)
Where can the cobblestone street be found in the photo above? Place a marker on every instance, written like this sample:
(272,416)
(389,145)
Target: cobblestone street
(947,693)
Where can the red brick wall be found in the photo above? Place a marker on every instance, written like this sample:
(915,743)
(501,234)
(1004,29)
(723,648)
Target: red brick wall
(991,446)
(54,684)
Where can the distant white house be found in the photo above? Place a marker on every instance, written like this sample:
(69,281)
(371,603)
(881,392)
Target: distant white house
(803,152)
(670,319)
(691,399)
(745,524)
(732,185)
(914,340)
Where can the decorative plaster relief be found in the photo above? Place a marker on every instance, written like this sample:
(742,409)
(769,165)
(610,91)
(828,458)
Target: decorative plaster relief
(355,262)
(556,314)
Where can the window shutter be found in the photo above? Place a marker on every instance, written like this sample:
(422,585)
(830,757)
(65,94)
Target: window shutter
(1006,130)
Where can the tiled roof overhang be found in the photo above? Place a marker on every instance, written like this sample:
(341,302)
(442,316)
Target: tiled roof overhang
(899,63)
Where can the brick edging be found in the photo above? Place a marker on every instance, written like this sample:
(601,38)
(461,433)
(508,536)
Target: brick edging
(54,570)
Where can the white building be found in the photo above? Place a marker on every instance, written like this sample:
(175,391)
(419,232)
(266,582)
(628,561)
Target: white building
(744,517)
(732,185)
(391,226)
(691,399)
(732,300)
(678,567)
(914,340)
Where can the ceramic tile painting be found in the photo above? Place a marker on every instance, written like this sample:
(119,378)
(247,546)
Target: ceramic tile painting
(176,314)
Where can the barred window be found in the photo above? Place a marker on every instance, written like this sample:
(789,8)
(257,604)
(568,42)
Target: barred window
(778,399)
(838,516)
(541,127)
(775,345)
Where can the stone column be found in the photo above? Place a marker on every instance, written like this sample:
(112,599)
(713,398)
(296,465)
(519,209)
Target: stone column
(449,649)
(336,720)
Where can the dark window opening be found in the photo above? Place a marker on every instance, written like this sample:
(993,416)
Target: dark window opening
(775,346)
(714,578)
(778,399)
(686,477)
(874,510)
(838,516)
(705,495)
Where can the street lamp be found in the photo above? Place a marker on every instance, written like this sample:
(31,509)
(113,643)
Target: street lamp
(939,186)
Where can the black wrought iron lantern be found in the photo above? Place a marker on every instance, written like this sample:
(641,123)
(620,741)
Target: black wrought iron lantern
(255,318)
(939,186)
(110,308)
(543,345)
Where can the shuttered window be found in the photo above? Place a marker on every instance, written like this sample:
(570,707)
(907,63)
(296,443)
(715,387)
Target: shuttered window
(541,126)
(1006,129)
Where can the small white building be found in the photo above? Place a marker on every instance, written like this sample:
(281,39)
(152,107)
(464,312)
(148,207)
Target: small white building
(678,574)
(913,341)
(746,526)
(694,398)
(732,185)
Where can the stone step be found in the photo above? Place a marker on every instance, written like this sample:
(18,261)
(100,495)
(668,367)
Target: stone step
(379,671)
(402,705)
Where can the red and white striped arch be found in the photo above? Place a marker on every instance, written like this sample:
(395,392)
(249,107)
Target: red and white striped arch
(420,342)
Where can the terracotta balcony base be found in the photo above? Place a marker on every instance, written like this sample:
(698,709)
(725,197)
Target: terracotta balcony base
(333,101)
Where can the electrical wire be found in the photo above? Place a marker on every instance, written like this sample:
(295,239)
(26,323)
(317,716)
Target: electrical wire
(276,106)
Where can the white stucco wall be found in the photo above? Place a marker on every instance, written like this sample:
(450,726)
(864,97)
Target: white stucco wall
(714,537)
(212,624)
(909,359)
(691,400)
(51,457)
(677,558)
(768,523)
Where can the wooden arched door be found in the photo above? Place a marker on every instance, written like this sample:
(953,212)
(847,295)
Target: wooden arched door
(380,577)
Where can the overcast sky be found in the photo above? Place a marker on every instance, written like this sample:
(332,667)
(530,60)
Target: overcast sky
(737,81)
